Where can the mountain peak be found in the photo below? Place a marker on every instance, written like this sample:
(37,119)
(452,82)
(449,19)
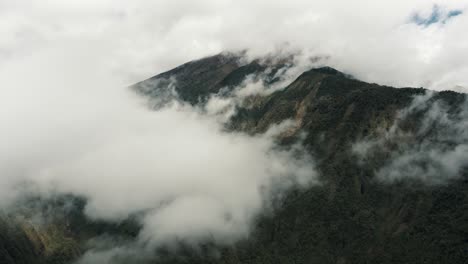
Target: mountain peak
(327,70)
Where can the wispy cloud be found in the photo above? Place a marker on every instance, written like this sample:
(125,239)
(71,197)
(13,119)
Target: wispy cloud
(428,142)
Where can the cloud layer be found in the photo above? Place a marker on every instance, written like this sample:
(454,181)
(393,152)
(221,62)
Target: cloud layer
(428,141)
(69,127)
(374,41)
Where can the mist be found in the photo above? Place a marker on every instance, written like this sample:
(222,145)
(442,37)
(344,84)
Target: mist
(71,126)
(426,142)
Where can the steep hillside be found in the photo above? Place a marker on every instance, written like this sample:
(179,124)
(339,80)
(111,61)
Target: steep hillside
(352,217)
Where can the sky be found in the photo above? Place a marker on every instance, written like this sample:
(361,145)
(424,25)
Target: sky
(401,43)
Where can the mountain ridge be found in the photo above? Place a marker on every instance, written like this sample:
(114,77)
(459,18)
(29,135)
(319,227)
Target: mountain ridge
(351,217)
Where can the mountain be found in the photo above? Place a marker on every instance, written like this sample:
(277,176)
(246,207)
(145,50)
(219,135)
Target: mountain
(355,215)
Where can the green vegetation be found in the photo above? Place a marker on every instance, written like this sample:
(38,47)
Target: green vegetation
(350,218)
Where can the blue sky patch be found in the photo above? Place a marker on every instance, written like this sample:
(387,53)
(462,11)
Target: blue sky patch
(438,15)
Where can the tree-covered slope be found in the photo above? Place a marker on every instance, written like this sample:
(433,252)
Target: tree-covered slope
(353,216)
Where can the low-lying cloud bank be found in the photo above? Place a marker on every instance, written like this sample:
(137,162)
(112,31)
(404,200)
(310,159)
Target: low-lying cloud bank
(68,129)
(428,141)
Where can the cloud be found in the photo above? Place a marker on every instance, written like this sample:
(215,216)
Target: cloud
(69,127)
(427,142)
(275,76)
(141,38)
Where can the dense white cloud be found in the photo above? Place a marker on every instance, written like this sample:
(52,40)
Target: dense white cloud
(375,41)
(69,127)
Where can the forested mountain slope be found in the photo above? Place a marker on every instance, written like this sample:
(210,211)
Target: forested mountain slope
(368,208)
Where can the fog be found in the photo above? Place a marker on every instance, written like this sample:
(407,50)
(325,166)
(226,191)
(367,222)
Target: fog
(427,142)
(70,127)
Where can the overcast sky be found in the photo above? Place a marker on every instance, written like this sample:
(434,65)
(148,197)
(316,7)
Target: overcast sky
(401,43)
